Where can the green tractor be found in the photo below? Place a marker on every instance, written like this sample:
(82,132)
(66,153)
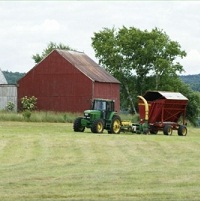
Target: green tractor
(101,116)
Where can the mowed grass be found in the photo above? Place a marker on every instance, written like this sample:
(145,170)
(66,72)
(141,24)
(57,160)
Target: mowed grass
(48,161)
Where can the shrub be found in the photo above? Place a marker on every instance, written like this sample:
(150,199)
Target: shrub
(27,114)
(10,106)
(29,103)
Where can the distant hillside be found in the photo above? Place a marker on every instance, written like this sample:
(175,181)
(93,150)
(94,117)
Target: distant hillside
(192,80)
(12,77)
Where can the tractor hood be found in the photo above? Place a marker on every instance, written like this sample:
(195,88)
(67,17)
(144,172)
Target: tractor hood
(92,114)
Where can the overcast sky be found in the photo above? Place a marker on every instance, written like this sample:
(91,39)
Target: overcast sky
(26,27)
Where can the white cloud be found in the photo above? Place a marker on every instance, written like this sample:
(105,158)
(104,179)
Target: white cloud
(48,26)
(194,55)
(191,62)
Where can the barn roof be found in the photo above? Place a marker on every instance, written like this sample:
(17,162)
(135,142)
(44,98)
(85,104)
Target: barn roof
(2,78)
(87,66)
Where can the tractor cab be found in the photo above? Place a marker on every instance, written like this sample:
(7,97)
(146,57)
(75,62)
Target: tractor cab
(104,106)
(101,116)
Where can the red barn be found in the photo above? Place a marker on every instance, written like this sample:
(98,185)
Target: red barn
(67,81)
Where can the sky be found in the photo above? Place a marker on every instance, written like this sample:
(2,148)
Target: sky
(27,27)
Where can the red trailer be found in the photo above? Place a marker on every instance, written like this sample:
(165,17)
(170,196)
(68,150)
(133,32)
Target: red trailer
(164,111)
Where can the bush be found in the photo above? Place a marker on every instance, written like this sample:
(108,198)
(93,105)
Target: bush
(29,103)
(27,114)
(10,106)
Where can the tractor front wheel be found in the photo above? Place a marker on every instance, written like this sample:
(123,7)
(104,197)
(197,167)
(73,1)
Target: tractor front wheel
(167,130)
(77,125)
(115,125)
(98,126)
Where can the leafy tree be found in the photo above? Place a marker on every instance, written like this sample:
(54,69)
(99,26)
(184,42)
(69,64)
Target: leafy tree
(193,107)
(51,46)
(140,60)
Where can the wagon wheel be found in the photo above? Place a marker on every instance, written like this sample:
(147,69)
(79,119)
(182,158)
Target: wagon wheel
(153,130)
(167,130)
(115,125)
(98,126)
(182,130)
(77,125)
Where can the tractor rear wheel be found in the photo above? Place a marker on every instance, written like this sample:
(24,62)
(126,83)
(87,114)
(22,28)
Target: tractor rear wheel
(182,130)
(77,125)
(98,126)
(115,125)
(167,130)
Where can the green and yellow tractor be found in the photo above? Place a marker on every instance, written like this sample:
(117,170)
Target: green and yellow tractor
(101,116)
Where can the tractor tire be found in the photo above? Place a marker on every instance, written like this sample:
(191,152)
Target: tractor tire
(167,130)
(98,126)
(115,125)
(77,125)
(182,130)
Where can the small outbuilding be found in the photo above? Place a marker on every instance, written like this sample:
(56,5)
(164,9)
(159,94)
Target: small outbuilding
(67,81)
(8,93)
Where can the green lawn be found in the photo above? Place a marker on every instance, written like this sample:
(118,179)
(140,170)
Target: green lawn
(48,161)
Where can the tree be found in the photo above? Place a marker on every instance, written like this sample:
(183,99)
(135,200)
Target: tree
(51,46)
(140,60)
(193,107)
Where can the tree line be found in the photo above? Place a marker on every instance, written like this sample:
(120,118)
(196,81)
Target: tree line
(12,77)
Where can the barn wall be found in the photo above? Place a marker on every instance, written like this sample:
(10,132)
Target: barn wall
(58,85)
(108,91)
(8,93)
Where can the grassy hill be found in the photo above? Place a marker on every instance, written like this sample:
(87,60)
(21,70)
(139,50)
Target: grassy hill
(192,80)
(48,161)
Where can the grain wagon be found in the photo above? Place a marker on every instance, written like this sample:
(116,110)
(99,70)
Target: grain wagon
(160,111)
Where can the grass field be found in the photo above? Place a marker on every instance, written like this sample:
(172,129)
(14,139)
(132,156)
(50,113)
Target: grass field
(48,161)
